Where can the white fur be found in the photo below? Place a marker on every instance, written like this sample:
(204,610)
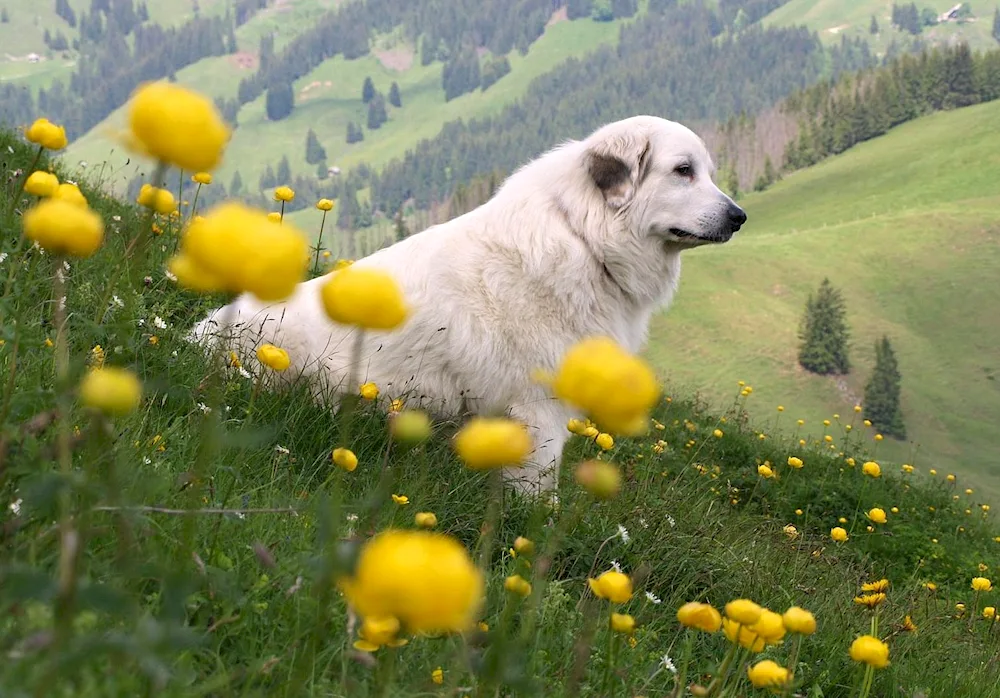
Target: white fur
(509,287)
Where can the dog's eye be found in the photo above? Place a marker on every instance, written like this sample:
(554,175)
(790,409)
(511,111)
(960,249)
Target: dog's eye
(684,170)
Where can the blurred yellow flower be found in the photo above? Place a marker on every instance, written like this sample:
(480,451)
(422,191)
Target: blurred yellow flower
(981,584)
(160,200)
(425,519)
(838,534)
(764,471)
(377,631)
(367,298)
(178,126)
(605,442)
(344,458)
(62,228)
(871,469)
(612,585)
(324,205)
(906,468)
(908,625)
(868,422)
(369,391)
(46,134)
(877,515)
(401,499)
(523,546)
(870,600)
(273,357)
(800,621)
(235,248)
(41,184)
(746,637)
(870,650)
(112,390)
(437,676)
(795,462)
(717,433)
(274,216)
(878,437)
(622,623)
(492,442)
(410,426)
(517,584)
(616,389)
(202,177)
(425,579)
(768,674)
(989,612)
(950,478)
(880,586)
(744,611)
(601,479)
(284,193)
(699,615)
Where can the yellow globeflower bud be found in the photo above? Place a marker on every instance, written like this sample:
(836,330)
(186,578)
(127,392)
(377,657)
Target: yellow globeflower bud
(800,621)
(622,623)
(870,650)
(367,298)
(324,205)
(46,134)
(410,426)
(63,228)
(345,458)
(425,519)
(612,585)
(699,615)
(492,442)
(114,391)
(599,478)
(768,674)
(273,357)
(41,184)
(284,194)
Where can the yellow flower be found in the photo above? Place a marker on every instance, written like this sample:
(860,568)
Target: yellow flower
(324,205)
(798,620)
(800,422)
(871,651)
(97,356)
(699,615)
(880,586)
(437,676)
(989,612)
(767,674)
(160,200)
(894,510)
(798,512)
(857,408)
(599,478)
(273,357)
(41,184)
(828,438)
(62,228)
(345,458)
(764,471)
(930,586)
(826,422)
(605,441)
(517,584)
(838,534)
(743,611)
(401,499)
(877,515)
(791,531)
(492,442)
(908,625)
(284,194)
(717,433)
(202,178)
(781,408)
(235,248)
(950,478)
(114,391)
(425,519)
(745,638)
(46,134)
(48,343)
(616,389)
(868,422)
(523,546)
(932,471)
(770,627)
(612,585)
(70,193)
(369,391)
(622,623)
(850,462)
(906,468)
(423,578)
(878,437)
(981,584)
(795,462)
(177,126)
(274,217)
(377,631)
(869,600)
(871,469)
(410,426)
(368,298)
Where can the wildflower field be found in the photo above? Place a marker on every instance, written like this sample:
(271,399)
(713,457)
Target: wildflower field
(173,525)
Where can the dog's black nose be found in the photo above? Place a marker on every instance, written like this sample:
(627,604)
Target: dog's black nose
(737,216)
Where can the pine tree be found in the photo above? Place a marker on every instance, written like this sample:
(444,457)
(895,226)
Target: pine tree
(314,150)
(873,26)
(376,112)
(367,90)
(996,24)
(236,186)
(399,225)
(4,17)
(284,175)
(280,100)
(394,98)
(354,133)
(823,333)
(882,392)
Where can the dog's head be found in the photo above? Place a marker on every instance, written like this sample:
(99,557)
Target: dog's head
(656,175)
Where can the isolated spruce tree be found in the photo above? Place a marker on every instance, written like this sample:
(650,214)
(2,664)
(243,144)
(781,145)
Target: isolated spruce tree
(882,392)
(394,98)
(314,150)
(996,24)
(823,333)
(367,90)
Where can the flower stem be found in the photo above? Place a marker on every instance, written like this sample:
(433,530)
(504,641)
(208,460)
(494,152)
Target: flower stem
(282,218)
(319,243)
(24,180)
(681,679)
(609,656)
(194,204)
(866,683)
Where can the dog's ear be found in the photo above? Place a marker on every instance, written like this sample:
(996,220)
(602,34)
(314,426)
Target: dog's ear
(617,167)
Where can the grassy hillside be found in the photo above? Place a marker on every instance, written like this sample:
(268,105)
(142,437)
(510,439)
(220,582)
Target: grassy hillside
(835,18)
(907,226)
(212,526)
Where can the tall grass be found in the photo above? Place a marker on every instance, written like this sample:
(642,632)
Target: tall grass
(207,534)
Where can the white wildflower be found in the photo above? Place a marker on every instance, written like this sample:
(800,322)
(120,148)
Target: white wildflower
(642,522)
(616,566)
(204,408)
(670,520)
(3,257)
(667,663)
(115,300)
(653,598)
(170,275)
(245,373)
(623,534)
(282,450)
(15,506)
(159,323)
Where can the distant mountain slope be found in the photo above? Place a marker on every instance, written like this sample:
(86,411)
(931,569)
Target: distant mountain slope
(907,225)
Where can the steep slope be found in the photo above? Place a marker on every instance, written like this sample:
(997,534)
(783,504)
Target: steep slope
(907,226)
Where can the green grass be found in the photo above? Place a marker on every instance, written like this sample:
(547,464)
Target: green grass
(906,225)
(835,18)
(241,604)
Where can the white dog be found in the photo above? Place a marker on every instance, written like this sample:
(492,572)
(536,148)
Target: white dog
(583,241)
